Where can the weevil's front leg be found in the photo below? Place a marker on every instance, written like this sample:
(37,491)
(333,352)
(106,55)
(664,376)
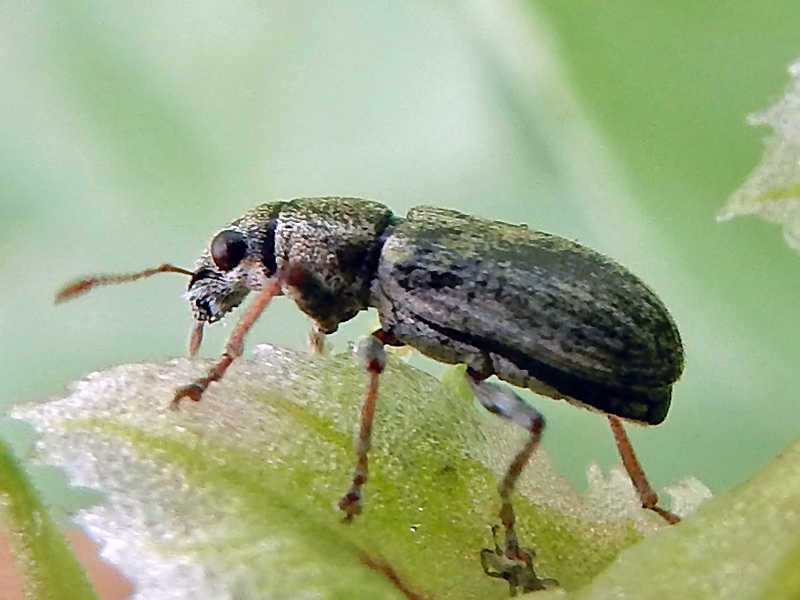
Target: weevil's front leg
(503,402)
(646,493)
(233,346)
(316,339)
(371,351)
(195,338)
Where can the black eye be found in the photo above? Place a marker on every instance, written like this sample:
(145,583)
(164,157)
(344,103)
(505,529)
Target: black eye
(228,249)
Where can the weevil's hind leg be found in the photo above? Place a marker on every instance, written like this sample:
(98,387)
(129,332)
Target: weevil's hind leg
(371,351)
(233,346)
(503,402)
(518,573)
(646,493)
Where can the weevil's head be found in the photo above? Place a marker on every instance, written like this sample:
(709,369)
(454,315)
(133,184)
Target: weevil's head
(231,267)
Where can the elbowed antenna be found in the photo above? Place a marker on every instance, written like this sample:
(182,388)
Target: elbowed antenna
(82,286)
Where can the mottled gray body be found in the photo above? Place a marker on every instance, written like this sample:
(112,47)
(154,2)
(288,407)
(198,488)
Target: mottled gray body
(331,245)
(537,310)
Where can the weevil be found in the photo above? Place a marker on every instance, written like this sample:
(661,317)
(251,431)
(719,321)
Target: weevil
(536,310)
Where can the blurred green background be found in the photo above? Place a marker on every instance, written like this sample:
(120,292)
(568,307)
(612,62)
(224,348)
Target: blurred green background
(131,131)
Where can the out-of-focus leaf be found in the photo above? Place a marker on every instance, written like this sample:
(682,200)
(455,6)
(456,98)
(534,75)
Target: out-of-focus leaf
(743,545)
(773,189)
(234,497)
(49,570)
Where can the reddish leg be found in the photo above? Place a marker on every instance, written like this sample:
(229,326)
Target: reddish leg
(503,402)
(233,346)
(646,493)
(519,573)
(374,357)
(511,562)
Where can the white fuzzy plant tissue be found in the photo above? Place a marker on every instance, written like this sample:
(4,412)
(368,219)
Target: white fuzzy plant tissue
(773,189)
(235,496)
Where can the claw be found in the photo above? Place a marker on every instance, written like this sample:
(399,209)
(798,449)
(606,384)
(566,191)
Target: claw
(515,565)
(193,392)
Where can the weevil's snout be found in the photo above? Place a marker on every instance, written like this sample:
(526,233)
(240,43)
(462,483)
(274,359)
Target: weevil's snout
(212,295)
(219,283)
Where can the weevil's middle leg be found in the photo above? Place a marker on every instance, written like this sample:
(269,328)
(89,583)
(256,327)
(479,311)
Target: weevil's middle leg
(372,353)
(646,493)
(503,402)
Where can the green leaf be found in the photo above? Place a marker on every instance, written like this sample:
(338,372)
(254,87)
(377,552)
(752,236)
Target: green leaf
(235,496)
(48,568)
(772,190)
(743,545)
